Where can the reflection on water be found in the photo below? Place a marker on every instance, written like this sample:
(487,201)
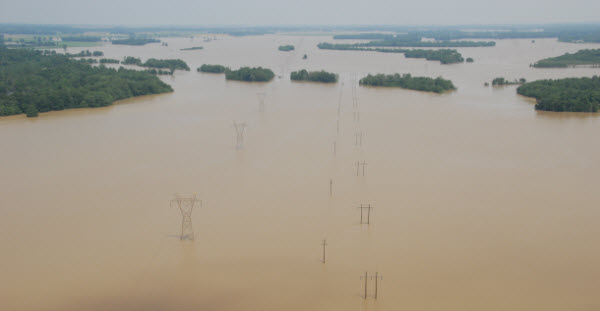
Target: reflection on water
(481,202)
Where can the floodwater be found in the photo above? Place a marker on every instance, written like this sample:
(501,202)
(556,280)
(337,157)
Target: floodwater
(480,202)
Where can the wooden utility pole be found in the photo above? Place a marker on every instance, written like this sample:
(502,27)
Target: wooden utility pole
(368,207)
(358,164)
(324,244)
(366,278)
(330,187)
(377,277)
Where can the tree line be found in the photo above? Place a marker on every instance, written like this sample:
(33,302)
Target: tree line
(32,82)
(286,48)
(255,74)
(314,76)
(569,94)
(444,56)
(581,57)
(406,81)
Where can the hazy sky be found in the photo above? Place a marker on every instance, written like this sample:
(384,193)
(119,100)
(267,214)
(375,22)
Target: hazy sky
(299,12)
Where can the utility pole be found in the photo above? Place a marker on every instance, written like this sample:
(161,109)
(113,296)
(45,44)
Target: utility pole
(358,165)
(334,148)
(366,277)
(377,277)
(358,139)
(330,187)
(239,129)
(186,206)
(261,100)
(324,244)
(368,207)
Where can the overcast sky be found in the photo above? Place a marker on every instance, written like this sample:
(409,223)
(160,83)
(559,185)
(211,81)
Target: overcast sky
(299,12)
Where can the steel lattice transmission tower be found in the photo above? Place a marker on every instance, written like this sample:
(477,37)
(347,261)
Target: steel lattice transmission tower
(261,101)
(239,129)
(186,204)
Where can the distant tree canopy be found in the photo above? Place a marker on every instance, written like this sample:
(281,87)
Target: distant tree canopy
(581,57)
(413,40)
(109,61)
(570,94)
(166,63)
(85,53)
(211,68)
(81,38)
(502,81)
(314,76)
(192,48)
(135,41)
(257,74)
(130,60)
(363,36)
(32,82)
(406,81)
(286,48)
(444,56)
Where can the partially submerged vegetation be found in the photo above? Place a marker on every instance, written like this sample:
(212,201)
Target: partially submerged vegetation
(135,41)
(444,56)
(581,57)
(569,94)
(363,36)
(85,53)
(255,74)
(171,64)
(211,68)
(502,81)
(286,48)
(109,61)
(314,76)
(411,40)
(32,82)
(193,48)
(406,81)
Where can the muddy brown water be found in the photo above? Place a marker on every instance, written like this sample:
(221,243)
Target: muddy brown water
(480,202)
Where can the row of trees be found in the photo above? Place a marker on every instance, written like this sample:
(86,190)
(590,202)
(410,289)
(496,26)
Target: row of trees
(255,74)
(81,38)
(569,94)
(32,82)
(192,48)
(315,76)
(286,48)
(581,57)
(171,64)
(502,81)
(417,41)
(212,68)
(85,53)
(406,81)
(109,61)
(135,41)
(444,56)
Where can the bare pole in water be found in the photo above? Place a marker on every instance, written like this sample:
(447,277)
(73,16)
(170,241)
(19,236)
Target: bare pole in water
(186,206)
(358,139)
(358,165)
(330,187)
(366,277)
(334,148)
(261,101)
(324,244)
(377,277)
(368,207)
(239,129)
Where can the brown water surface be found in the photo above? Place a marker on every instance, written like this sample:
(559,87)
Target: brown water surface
(481,203)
